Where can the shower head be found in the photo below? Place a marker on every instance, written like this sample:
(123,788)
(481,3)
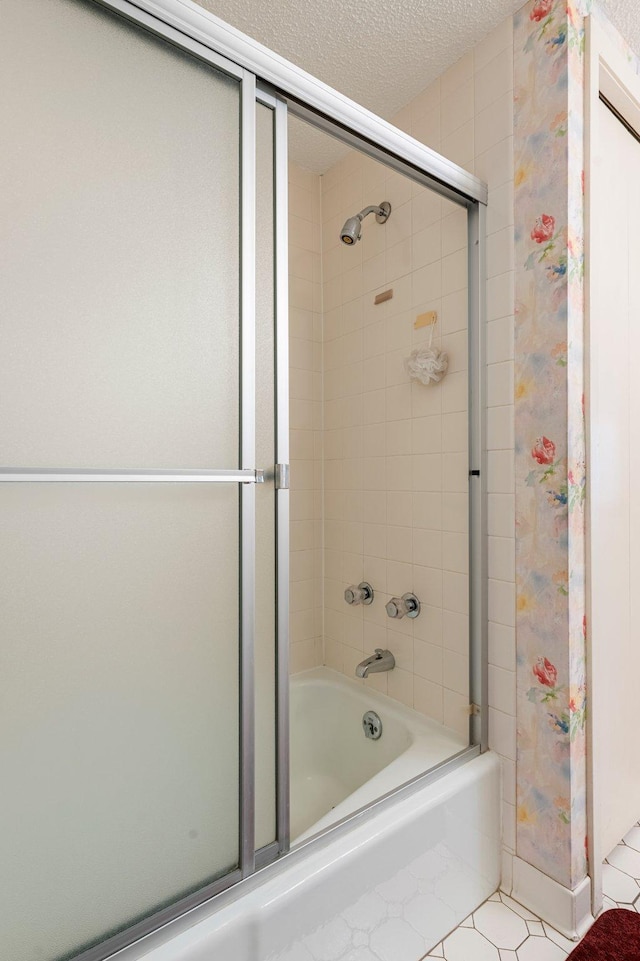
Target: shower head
(351,231)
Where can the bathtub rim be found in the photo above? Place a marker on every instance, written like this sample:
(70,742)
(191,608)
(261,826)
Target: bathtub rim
(382,803)
(174,926)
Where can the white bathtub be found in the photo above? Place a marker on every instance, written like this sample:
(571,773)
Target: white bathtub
(335,769)
(386,887)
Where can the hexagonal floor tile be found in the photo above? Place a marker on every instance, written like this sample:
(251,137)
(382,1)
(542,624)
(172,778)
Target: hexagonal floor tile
(500,925)
(559,939)
(626,859)
(436,952)
(540,949)
(633,838)
(524,913)
(466,943)
(618,886)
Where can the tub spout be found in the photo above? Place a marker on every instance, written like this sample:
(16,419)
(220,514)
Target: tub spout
(379,661)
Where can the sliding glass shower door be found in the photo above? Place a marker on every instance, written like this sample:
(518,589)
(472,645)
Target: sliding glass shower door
(128,465)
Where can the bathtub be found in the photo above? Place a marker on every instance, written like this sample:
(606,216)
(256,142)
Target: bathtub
(387,884)
(335,769)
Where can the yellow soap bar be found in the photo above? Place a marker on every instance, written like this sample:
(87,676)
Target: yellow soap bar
(426,319)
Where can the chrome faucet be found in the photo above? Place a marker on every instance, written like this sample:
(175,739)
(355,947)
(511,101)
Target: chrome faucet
(407,604)
(379,661)
(362,594)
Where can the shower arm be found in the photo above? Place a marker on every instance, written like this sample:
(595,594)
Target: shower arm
(373,209)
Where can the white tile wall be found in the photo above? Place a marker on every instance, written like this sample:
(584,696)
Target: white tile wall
(394,508)
(395,470)
(493,78)
(468,115)
(393,448)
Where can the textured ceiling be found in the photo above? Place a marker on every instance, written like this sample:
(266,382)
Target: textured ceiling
(625,15)
(380,53)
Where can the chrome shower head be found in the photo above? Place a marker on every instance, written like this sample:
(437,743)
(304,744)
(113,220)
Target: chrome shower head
(352,229)
(350,233)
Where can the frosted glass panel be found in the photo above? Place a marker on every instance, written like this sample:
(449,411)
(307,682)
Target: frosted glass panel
(118,706)
(265,639)
(120,236)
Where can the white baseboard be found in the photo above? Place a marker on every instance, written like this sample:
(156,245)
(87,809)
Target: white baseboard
(569,912)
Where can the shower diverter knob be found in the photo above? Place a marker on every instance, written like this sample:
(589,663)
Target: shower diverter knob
(407,604)
(362,594)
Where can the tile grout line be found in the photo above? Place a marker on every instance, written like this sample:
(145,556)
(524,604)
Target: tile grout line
(511,930)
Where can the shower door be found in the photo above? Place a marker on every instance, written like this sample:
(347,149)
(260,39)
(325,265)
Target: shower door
(138,573)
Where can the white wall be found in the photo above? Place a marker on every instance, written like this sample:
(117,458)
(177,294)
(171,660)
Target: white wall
(614,459)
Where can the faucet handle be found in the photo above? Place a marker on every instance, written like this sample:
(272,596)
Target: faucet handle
(362,594)
(407,604)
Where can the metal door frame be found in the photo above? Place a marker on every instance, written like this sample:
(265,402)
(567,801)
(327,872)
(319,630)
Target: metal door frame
(269,79)
(246,476)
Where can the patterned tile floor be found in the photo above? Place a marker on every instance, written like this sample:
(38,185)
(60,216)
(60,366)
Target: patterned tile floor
(502,930)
